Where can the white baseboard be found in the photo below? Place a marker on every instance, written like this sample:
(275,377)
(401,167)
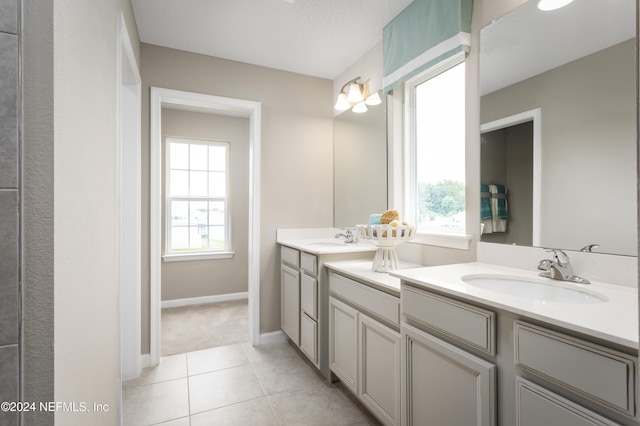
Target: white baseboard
(145,361)
(201,300)
(273,337)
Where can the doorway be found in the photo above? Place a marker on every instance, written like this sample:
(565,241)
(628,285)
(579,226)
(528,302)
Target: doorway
(533,116)
(176,99)
(204,301)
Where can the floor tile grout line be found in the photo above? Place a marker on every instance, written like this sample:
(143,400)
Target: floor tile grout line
(226,406)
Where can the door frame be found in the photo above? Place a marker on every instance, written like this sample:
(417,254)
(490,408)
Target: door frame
(199,102)
(128,178)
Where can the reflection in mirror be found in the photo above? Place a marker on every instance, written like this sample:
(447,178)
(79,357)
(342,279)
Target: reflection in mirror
(360,165)
(585,89)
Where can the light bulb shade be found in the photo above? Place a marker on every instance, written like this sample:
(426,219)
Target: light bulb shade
(547,5)
(342,104)
(359,108)
(355,94)
(373,99)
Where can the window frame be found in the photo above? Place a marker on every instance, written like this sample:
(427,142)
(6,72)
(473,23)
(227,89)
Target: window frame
(224,253)
(458,240)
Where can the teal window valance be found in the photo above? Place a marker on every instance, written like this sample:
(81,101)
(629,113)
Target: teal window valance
(422,35)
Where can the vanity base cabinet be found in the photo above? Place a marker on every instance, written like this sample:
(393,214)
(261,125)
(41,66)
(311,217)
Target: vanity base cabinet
(304,299)
(379,369)
(290,302)
(364,352)
(343,343)
(444,385)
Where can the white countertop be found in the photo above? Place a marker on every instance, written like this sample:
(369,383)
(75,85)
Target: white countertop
(320,241)
(361,271)
(615,320)
(327,245)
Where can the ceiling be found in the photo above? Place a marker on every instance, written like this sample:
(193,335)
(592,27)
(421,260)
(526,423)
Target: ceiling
(320,38)
(527,41)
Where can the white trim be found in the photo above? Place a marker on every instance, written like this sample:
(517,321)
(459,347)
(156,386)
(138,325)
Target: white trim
(198,256)
(273,337)
(456,241)
(214,105)
(534,115)
(409,166)
(145,361)
(189,301)
(129,201)
(226,253)
(460,39)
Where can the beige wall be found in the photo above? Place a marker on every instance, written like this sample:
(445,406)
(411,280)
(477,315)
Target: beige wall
(186,279)
(296,153)
(86,298)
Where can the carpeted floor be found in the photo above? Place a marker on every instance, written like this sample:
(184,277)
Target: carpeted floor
(196,327)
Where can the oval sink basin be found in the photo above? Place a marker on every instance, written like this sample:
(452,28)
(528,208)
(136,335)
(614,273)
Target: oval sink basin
(327,244)
(532,288)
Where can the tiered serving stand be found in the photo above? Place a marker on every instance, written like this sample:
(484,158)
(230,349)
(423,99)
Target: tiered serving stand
(387,238)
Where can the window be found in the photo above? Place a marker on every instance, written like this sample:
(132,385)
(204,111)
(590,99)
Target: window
(197,188)
(435,155)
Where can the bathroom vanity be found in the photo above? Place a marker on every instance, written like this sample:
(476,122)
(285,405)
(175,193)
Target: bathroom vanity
(476,352)
(304,287)
(472,343)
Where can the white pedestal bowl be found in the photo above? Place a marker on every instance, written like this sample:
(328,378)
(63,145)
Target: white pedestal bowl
(387,238)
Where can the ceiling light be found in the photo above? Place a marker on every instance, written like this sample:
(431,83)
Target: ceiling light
(359,108)
(355,94)
(373,99)
(342,104)
(547,5)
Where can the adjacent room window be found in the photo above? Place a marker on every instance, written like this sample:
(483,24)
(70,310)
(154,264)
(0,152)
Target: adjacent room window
(435,159)
(197,203)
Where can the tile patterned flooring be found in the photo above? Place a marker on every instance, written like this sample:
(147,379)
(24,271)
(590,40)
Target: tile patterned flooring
(239,385)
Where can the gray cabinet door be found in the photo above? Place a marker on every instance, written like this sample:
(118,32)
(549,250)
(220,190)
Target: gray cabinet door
(536,406)
(379,369)
(343,343)
(444,385)
(290,302)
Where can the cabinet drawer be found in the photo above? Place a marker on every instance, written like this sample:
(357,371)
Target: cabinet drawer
(309,263)
(536,405)
(309,337)
(600,374)
(309,296)
(465,323)
(290,256)
(373,301)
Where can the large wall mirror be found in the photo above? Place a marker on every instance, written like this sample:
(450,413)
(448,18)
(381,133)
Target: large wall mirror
(360,165)
(558,123)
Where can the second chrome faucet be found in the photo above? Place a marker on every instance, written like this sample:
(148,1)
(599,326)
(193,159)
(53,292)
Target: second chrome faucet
(559,268)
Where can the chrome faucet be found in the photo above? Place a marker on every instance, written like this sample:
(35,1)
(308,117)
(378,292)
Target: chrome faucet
(559,268)
(348,236)
(589,248)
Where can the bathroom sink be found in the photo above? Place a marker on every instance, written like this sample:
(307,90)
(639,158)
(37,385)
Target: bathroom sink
(543,289)
(328,244)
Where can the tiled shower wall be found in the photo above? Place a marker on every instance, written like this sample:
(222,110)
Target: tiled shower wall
(9,208)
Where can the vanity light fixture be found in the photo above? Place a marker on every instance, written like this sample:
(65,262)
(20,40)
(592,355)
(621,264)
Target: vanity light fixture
(356,95)
(547,5)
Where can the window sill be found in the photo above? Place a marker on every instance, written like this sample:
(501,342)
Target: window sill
(455,241)
(198,256)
